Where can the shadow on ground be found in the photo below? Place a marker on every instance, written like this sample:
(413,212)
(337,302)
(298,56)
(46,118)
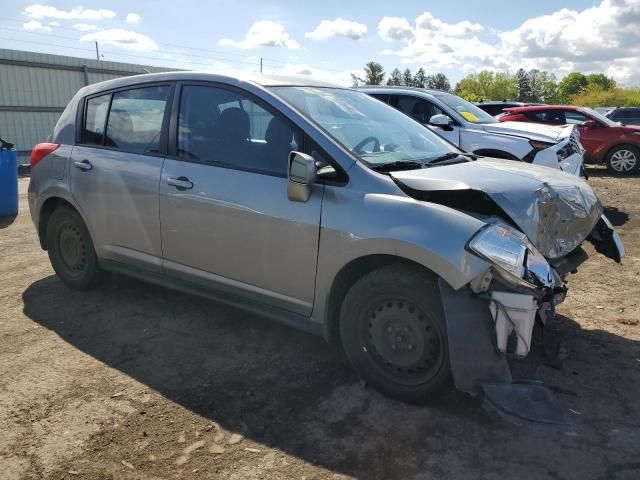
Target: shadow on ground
(291,391)
(6,221)
(617,217)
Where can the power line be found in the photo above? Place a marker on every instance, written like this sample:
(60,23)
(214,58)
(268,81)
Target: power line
(214,55)
(215,52)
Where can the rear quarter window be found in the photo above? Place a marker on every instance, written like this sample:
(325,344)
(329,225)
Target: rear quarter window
(95,119)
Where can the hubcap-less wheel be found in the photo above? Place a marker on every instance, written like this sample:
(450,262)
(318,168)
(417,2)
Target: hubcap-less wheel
(404,343)
(73,251)
(623,160)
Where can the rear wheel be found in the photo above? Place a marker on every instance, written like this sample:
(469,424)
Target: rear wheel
(623,160)
(71,250)
(393,332)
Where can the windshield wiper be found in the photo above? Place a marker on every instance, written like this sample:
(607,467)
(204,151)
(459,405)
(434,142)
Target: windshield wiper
(398,165)
(450,156)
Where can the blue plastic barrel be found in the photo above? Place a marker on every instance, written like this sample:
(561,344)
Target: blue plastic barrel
(8,181)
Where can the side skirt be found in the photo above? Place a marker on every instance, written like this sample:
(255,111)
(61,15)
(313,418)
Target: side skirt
(291,319)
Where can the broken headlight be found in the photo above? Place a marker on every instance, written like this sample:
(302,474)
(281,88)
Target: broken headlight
(519,262)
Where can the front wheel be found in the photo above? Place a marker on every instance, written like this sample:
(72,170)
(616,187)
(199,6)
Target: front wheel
(623,160)
(71,250)
(393,332)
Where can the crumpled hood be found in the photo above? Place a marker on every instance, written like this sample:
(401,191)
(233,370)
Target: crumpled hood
(534,131)
(557,211)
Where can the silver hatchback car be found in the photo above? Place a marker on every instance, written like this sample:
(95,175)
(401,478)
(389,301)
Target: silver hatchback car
(321,207)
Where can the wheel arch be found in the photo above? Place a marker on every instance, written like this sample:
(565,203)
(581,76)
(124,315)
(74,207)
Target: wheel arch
(347,276)
(48,207)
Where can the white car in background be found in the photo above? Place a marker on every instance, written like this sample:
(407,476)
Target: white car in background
(475,131)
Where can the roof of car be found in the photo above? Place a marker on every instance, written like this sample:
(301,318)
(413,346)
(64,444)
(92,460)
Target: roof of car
(256,78)
(400,89)
(542,107)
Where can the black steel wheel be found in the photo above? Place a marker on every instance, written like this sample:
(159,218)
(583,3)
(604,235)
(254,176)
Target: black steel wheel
(393,332)
(71,250)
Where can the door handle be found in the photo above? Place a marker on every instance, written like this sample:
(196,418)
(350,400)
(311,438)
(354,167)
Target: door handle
(84,165)
(181,183)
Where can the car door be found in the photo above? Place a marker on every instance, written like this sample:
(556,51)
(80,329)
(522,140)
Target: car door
(115,172)
(227,223)
(591,138)
(421,110)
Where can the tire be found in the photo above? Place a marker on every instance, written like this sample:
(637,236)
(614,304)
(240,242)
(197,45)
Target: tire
(71,250)
(623,160)
(393,332)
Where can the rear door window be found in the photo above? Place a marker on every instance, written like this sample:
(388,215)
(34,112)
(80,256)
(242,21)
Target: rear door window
(417,108)
(95,119)
(135,119)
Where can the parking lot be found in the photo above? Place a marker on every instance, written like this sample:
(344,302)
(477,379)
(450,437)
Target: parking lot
(134,381)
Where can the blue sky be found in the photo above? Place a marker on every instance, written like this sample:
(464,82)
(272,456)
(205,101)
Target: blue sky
(331,39)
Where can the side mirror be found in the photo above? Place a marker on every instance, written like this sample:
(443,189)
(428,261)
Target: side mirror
(441,121)
(590,124)
(302,176)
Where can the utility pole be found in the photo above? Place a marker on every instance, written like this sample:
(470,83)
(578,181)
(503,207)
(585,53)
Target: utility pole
(97,52)
(260,64)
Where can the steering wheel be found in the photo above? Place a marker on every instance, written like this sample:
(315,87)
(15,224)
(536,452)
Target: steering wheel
(376,145)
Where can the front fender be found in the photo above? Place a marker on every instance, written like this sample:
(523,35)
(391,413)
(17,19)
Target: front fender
(356,224)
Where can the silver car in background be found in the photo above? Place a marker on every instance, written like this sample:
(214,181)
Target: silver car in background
(475,131)
(320,207)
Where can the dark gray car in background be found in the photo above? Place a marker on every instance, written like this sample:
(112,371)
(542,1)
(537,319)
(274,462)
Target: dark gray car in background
(318,206)
(626,115)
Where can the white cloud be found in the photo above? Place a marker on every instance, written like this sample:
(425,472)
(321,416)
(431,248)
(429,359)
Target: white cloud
(264,33)
(603,38)
(34,25)
(85,27)
(122,38)
(338,28)
(132,18)
(54,24)
(428,22)
(39,11)
(393,29)
(437,44)
(312,73)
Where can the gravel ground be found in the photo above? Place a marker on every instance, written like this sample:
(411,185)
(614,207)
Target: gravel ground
(131,381)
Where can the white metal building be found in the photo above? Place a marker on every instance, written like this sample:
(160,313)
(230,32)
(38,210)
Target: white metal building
(36,87)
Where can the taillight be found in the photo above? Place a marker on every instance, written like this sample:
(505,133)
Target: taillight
(41,150)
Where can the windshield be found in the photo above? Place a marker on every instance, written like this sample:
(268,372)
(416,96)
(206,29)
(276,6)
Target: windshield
(599,117)
(466,110)
(373,131)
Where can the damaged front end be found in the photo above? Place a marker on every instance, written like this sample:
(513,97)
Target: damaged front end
(536,221)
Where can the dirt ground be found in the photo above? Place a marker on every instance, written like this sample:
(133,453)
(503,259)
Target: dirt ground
(131,381)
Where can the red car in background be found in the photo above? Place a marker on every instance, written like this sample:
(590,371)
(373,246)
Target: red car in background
(604,141)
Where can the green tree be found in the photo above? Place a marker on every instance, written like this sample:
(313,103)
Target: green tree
(373,75)
(439,81)
(395,78)
(594,96)
(420,78)
(571,85)
(543,86)
(601,80)
(407,78)
(487,85)
(523,85)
